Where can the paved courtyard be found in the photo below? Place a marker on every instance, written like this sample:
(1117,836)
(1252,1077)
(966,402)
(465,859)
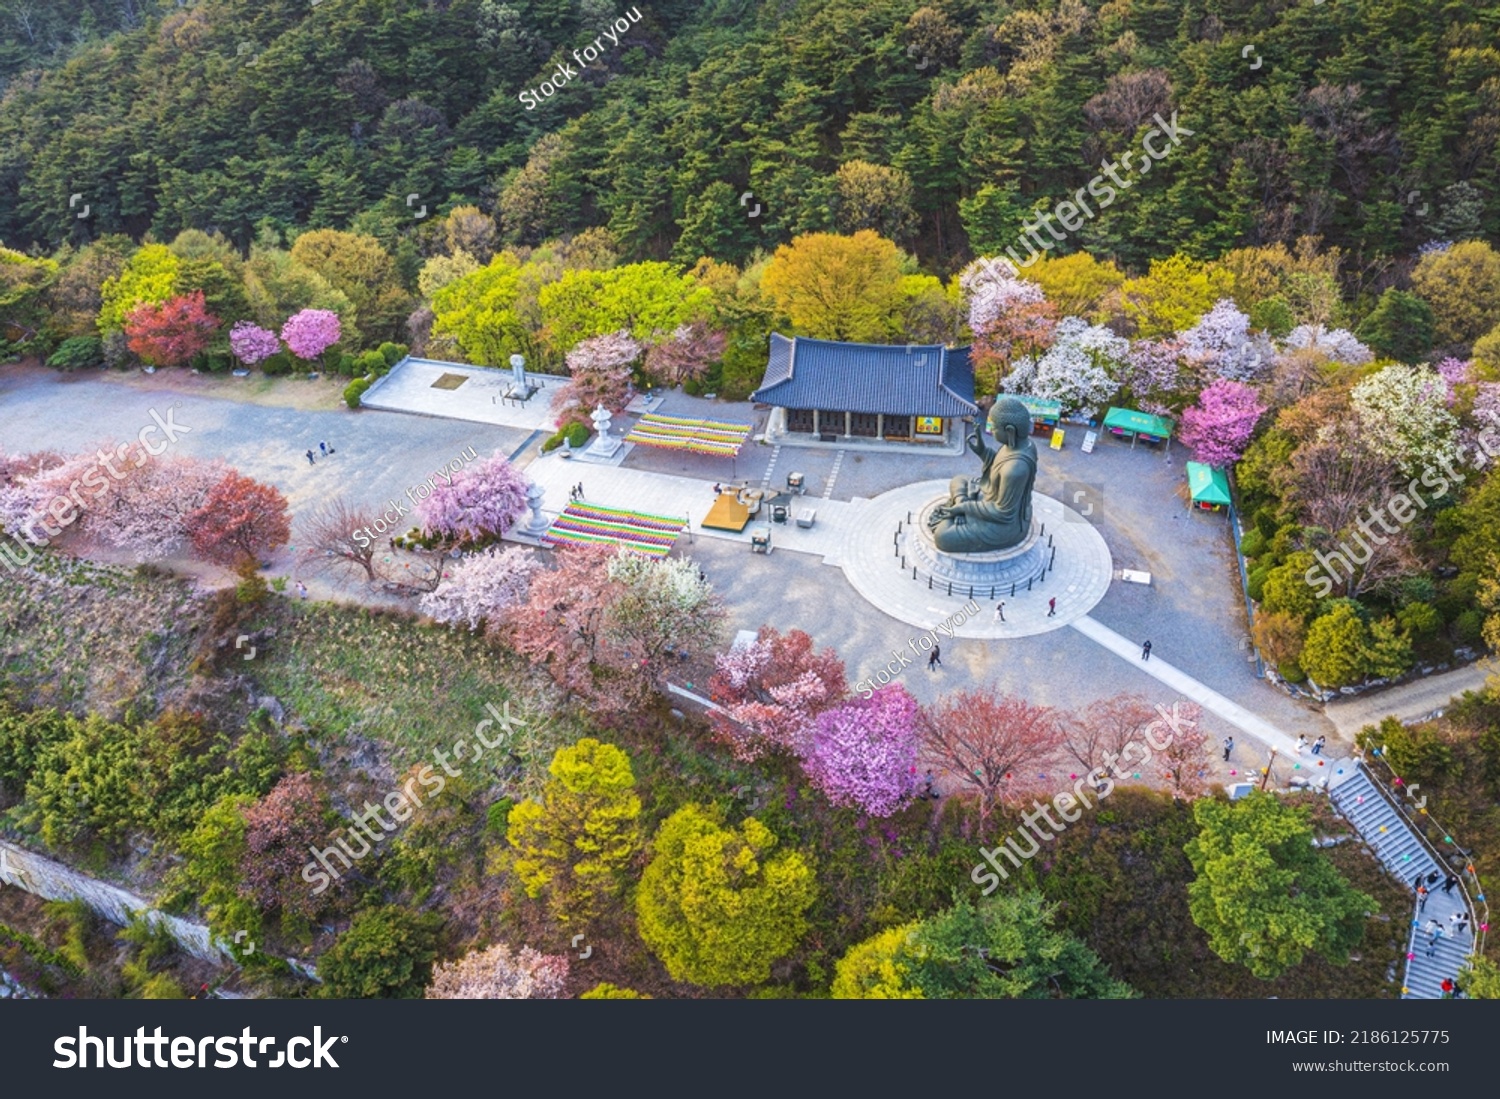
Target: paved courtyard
(1192,610)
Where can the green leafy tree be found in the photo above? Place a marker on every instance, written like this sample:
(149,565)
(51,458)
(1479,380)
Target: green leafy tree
(1173,295)
(575,843)
(1401,327)
(209,874)
(359,268)
(91,787)
(150,277)
(387,953)
(1264,895)
(878,968)
(1387,650)
(1005,947)
(1286,588)
(1335,652)
(838,288)
(643,298)
(1462,285)
(478,312)
(874,197)
(717,904)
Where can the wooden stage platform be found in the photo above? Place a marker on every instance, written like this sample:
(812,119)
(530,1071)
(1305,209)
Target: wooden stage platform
(727,514)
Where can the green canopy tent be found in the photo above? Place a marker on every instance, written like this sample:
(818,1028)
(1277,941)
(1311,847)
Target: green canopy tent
(1138,425)
(1209,487)
(1044,412)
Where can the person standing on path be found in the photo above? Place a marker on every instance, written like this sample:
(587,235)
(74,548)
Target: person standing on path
(1000,611)
(310,459)
(1301,744)
(1434,933)
(1447,987)
(1318,745)
(324,448)
(580,490)
(1052,607)
(1146,651)
(936,659)
(1421,898)
(1228,747)
(1449,884)
(302,590)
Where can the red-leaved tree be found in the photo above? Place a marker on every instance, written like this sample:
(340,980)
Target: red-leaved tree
(279,829)
(685,355)
(772,691)
(991,741)
(240,519)
(172,332)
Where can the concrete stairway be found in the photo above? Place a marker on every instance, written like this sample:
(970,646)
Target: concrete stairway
(1402,852)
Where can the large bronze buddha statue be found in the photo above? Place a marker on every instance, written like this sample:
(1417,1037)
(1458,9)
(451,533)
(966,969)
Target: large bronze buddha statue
(991,511)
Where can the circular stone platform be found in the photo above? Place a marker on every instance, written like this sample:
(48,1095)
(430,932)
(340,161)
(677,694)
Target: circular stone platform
(1018,564)
(1079,578)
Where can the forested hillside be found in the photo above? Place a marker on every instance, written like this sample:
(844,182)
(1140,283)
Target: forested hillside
(1369,123)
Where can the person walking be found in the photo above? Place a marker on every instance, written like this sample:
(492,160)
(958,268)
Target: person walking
(1421,898)
(302,589)
(936,659)
(1318,745)
(1146,651)
(1447,987)
(1301,744)
(1228,747)
(1449,884)
(1434,935)
(1052,607)
(1000,612)
(930,791)
(580,490)
(324,448)
(1460,922)
(310,459)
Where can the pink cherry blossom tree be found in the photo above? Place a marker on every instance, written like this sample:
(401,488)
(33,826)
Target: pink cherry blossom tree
(480,501)
(481,585)
(771,691)
(600,369)
(1009,316)
(864,753)
(1220,425)
(685,355)
(311,332)
(251,343)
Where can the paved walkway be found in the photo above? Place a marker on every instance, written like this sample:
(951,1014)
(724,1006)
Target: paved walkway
(1408,702)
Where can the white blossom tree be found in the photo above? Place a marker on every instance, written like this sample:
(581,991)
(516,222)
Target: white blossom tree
(1334,344)
(481,585)
(1404,413)
(664,606)
(500,973)
(1221,343)
(1081,368)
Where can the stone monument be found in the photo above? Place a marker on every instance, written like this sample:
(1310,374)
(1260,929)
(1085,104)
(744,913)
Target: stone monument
(606,444)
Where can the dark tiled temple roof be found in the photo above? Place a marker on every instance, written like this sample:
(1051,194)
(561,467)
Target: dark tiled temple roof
(897,379)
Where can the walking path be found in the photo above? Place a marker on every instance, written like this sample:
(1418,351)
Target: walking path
(1408,702)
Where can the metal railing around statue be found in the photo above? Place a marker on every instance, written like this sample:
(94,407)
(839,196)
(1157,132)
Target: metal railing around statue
(969,591)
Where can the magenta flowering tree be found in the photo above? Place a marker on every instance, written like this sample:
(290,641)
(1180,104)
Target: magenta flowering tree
(311,332)
(252,344)
(864,753)
(1219,426)
(479,502)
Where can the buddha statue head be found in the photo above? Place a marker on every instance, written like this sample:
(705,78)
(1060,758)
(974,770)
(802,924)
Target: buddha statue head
(1010,422)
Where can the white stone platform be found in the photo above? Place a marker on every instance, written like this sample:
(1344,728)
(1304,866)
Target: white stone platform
(1078,580)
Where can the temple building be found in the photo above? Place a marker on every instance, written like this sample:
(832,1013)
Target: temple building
(909,393)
